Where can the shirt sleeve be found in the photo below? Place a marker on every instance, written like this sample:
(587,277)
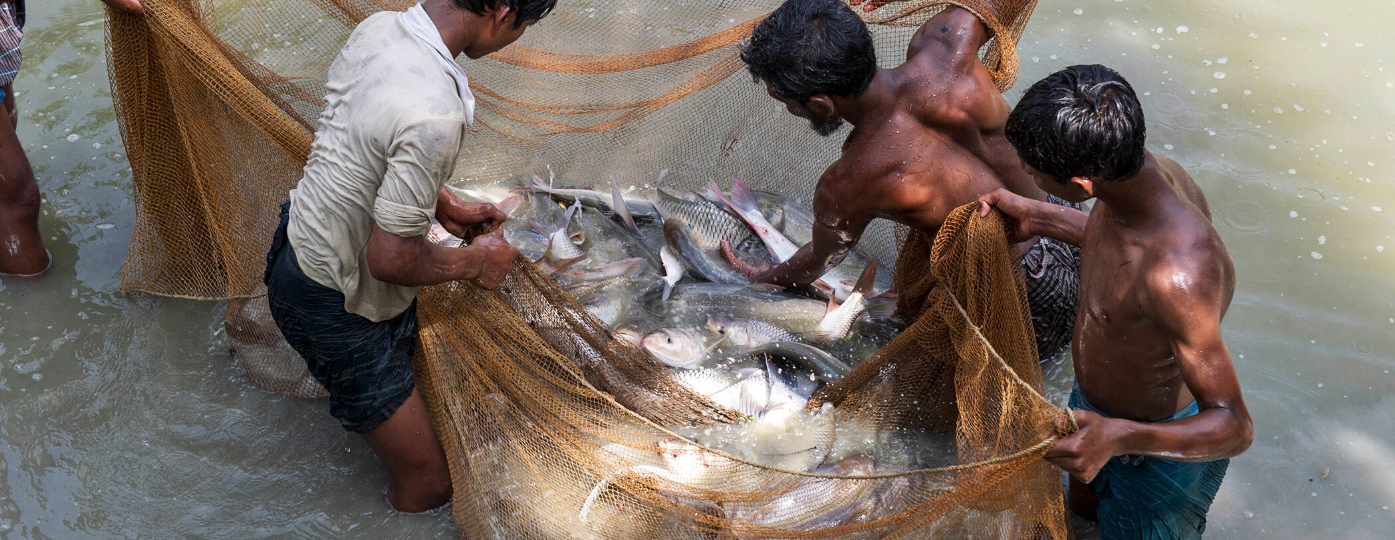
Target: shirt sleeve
(420,160)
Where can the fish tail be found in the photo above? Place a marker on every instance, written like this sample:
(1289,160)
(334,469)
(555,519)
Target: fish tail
(867,279)
(744,200)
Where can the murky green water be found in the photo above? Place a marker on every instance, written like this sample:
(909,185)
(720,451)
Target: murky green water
(124,417)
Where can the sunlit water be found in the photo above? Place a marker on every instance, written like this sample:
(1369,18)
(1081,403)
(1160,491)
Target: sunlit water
(122,416)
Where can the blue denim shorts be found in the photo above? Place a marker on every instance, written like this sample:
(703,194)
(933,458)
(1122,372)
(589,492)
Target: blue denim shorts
(365,365)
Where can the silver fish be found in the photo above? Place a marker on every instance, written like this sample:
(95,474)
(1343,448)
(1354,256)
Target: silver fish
(840,318)
(673,270)
(562,244)
(629,333)
(710,224)
(690,303)
(748,333)
(798,364)
(820,502)
(605,305)
(678,348)
(707,263)
(592,198)
(622,268)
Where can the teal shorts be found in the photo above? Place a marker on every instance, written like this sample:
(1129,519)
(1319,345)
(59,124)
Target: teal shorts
(1149,498)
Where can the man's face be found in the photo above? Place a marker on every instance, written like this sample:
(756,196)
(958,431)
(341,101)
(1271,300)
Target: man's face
(499,35)
(824,127)
(1069,191)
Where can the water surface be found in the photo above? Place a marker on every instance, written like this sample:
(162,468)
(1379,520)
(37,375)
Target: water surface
(122,416)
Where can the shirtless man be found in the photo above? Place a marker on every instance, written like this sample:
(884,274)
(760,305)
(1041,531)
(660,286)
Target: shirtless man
(927,137)
(1156,397)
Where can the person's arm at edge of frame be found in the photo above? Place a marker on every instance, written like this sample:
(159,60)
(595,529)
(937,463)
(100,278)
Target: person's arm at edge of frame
(1027,218)
(1189,311)
(128,6)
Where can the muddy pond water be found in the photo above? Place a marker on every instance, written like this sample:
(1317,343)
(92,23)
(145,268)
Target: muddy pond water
(123,416)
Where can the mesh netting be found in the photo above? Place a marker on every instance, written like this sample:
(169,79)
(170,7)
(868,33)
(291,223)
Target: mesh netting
(554,429)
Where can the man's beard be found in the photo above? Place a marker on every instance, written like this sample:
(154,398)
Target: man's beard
(826,127)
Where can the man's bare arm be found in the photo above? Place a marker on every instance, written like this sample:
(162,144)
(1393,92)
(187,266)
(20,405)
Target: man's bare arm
(416,262)
(958,29)
(1028,218)
(837,228)
(1187,303)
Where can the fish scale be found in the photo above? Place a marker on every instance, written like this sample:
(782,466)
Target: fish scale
(708,222)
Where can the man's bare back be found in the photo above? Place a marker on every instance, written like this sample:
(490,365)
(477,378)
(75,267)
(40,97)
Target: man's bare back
(927,138)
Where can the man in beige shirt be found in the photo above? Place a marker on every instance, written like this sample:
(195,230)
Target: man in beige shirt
(345,264)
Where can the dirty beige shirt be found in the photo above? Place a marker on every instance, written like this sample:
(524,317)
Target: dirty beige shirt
(386,143)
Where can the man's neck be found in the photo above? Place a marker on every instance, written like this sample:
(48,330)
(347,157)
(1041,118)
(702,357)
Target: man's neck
(871,103)
(456,26)
(1133,200)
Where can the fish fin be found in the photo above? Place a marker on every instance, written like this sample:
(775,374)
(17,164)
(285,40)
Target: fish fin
(832,306)
(714,346)
(569,212)
(764,287)
(544,229)
(744,200)
(620,208)
(819,336)
(660,179)
(550,264)
(882,306)
(668,289)
(867,279)
(510,204)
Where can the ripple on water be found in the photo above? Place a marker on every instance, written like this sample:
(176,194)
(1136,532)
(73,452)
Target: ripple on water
(1245,218)
(1311,196)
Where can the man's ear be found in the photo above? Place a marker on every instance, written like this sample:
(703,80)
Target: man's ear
(500,13)
(822,107)
(1085,184)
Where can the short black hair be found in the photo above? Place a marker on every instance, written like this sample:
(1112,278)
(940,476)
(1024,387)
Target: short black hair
(809,47)
(1081,121)
(524,10)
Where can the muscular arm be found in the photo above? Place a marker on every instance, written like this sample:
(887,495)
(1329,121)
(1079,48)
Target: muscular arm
(1187,302)
(416,262)
(956,29)
(838,224)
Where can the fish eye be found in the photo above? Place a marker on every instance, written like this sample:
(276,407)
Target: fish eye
(670,340)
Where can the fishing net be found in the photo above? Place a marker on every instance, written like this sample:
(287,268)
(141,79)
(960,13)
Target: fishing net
(553,428)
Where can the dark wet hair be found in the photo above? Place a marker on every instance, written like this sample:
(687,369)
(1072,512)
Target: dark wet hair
(524,10)
(809,47)
(1081,121)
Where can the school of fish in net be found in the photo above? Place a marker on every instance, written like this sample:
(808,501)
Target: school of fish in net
(648,263)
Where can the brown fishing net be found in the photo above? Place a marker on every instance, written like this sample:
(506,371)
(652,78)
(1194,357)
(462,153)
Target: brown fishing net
(552,428)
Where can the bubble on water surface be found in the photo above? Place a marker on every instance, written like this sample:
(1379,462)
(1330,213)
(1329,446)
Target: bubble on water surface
(1182,29)
(1078,11)
(106,226)
(73,138)
(1218,74)
(1322,239)
(1316,255)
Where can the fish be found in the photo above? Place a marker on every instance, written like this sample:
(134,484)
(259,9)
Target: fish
(561,243)
(707,263)
(678,348)
(833,284)
(622,268)
(591,198)
(673,270)
(820,502)
(606,306)
(629,333)
(840,317)
(690,303)
(748,333)
(798,363)
(785,437)
(709,223)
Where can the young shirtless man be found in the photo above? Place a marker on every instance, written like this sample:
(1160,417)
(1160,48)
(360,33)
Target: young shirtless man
(927,137)
(1156,396)
(344,266)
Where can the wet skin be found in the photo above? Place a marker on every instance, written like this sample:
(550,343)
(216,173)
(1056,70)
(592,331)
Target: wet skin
(927,138)
(1155,281)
